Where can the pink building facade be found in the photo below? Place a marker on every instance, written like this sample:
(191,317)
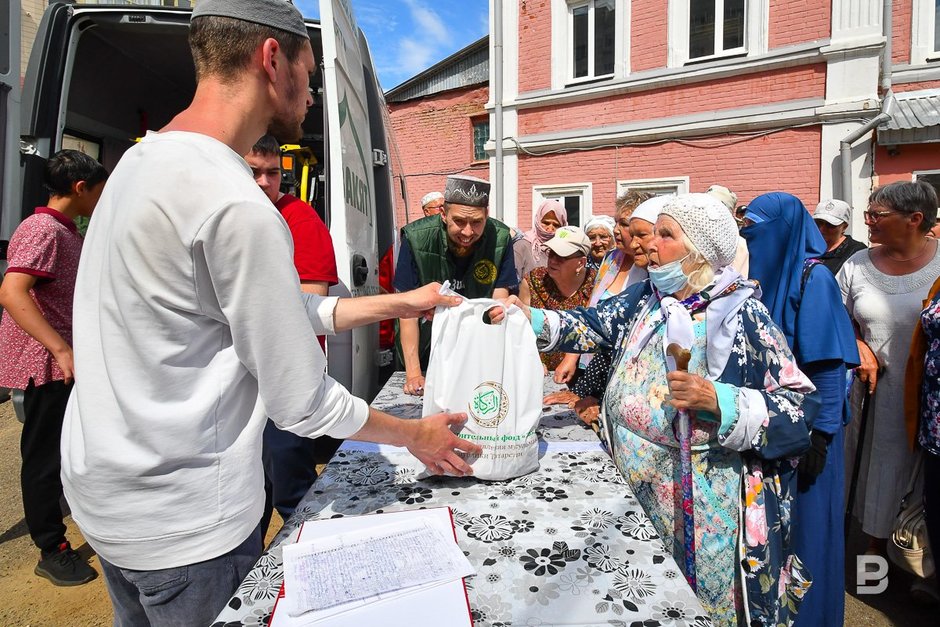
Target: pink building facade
(441,126)
(435,137)
(600,96)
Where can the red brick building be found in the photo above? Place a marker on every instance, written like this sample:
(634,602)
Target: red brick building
(441,124)
(604,95)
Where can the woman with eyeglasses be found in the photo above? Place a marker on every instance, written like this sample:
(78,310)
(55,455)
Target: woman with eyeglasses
(565,283)
(884,290)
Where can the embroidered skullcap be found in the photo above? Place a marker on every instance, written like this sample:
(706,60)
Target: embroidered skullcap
(708,224)
(431,197)
(279,14)
(600,222)
(467,190)
(649,209)
(834,211)
(727,197)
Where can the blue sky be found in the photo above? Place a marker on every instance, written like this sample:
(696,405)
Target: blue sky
(408,36)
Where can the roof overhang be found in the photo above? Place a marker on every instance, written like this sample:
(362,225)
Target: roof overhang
(915,118)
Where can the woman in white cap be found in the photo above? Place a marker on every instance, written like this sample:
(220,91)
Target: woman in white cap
(587,387)
(600,230)
(615,274)
(832,219)
(565,283)
(744,402)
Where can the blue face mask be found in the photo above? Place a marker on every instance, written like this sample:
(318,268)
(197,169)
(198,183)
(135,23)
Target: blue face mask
(669,278)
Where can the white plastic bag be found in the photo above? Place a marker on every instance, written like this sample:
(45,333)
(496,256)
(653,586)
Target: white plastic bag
(493,373)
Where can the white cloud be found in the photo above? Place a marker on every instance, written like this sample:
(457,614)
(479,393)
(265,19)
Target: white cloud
(414,55)
(428,22)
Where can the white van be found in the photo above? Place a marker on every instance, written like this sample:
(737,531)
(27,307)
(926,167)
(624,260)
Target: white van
(100,76)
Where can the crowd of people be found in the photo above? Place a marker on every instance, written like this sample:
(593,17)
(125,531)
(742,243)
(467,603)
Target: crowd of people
(778,309)
(708,343)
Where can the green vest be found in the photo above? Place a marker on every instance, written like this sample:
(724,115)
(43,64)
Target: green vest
(427,238)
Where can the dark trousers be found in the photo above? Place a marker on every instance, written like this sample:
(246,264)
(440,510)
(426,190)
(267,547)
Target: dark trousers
(289,471)
(932,501)
(44,407)
(191,595)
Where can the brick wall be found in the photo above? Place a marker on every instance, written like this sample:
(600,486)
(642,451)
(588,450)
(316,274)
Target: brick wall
(650,45)
(902,87)
(798,21)
(901,15)
(435,137)
(908,158)
(727,93)
(535,45)
(785,161)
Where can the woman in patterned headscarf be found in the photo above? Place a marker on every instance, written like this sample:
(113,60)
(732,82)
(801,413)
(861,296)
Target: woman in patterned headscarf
(549,217)
(703,434)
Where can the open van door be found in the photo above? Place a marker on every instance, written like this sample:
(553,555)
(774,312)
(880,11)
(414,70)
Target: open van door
(354,201)
(10,96)
(9,130)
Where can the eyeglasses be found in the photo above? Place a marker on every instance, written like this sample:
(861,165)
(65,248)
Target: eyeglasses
(876,216)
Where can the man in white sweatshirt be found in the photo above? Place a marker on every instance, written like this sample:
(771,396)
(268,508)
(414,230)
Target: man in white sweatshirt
(190,328)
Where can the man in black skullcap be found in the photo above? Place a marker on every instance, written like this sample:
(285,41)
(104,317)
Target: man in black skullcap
(464,246)
(190,329)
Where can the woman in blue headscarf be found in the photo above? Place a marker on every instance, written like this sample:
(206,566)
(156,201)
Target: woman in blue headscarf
(805,301)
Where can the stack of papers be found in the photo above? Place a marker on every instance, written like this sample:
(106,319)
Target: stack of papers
(391,568)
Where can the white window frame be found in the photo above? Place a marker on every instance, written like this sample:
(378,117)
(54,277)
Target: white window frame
(563,44)
(668,185)
(756,24)
(922,32)
(585,190)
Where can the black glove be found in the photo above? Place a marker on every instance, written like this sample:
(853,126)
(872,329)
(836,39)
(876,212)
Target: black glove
(814,460)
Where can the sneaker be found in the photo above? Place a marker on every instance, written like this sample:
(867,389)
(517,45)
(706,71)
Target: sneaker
(65,567)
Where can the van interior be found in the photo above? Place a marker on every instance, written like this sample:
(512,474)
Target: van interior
(131,73)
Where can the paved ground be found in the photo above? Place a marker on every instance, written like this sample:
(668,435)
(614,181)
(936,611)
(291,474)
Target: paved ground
(28,600)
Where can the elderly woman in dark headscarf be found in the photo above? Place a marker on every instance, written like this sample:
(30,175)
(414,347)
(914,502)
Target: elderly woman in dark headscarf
(705,445)
(804,300)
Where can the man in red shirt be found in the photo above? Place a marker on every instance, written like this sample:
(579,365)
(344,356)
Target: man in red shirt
(36,348)
(289,462)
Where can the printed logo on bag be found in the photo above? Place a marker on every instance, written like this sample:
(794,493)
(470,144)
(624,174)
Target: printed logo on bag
(484,271)
(489,404)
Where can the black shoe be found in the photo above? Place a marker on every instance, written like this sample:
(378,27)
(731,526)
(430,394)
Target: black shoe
(64,567)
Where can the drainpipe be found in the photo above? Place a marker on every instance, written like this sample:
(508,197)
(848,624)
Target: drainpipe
(845,146)
(886,63)
(498,112)
(845,152)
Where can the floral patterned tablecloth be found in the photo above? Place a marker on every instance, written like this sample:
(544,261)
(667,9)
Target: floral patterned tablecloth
(566,545)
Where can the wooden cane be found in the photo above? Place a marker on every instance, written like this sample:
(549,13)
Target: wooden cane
(684,431)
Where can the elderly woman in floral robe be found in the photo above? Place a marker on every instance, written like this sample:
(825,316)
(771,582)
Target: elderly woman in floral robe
(747,400)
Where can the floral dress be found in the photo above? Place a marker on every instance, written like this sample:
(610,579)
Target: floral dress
(545,295)
(746,571)
(929,436)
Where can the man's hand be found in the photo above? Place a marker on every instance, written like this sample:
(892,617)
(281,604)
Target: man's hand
(567,368)
(422,301)
(564,397)
(66,363)
(690,391)
(414,385)
(433,443)
(868,370)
